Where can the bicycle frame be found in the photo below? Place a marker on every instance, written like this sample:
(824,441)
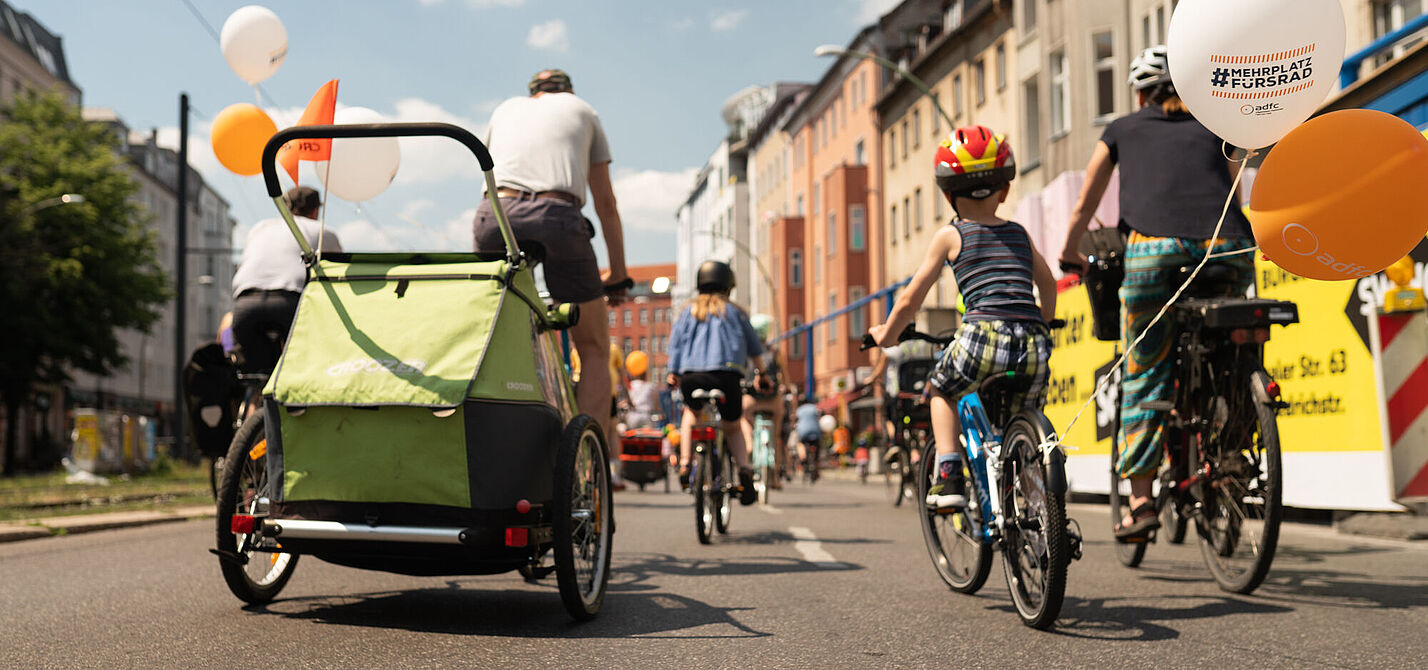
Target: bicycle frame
(982,441)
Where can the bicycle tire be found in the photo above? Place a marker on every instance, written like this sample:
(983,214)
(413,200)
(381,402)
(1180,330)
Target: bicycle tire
(1130,554)
(1035,551)
(726,478)
(703,485)
(893,477)
(1239,527)
(254,576)
(967,569)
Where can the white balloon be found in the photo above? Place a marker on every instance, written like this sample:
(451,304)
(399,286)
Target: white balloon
(360,168)
(827,423)
(254,43)
(1252,71)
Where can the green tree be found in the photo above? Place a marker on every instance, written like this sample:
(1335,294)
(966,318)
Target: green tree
(69,275)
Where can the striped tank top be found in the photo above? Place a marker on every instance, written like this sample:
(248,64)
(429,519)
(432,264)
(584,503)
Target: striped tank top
(993,272)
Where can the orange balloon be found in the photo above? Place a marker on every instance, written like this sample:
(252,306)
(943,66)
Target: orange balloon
(636,363)
(1342,195)
(239,133)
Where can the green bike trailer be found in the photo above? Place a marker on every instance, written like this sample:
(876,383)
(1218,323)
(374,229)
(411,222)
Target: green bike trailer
(421,420)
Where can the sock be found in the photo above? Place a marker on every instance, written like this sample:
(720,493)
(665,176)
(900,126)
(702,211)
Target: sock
(947,465)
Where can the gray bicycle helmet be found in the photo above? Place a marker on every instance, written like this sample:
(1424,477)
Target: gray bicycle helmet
(1150,68)
(714,277)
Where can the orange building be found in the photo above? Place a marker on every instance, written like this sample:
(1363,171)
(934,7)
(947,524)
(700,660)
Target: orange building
(836,194)
(642,321)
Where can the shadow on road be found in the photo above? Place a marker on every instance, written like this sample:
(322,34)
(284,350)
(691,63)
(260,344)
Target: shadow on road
(1123,619)
(634,572)
(460,609)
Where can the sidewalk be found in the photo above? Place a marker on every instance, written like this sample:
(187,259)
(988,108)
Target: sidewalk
(29,529)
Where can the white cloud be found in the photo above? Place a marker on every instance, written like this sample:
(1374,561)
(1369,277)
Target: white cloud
(727,20)
(870,11)
(648,199)
(436,159)
(551,36)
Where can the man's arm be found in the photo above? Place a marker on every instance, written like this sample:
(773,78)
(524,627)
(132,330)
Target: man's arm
(602,194)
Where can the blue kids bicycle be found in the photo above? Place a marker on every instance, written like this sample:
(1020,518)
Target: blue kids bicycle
(1016,499)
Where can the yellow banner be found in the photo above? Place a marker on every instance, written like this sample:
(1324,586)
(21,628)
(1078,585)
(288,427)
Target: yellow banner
(1322,364)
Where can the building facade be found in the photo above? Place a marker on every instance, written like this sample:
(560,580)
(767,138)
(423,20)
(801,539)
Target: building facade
(641,323)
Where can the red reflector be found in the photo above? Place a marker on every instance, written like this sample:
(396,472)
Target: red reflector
(516,537)
(1259,314)
(1240,335)
(523,506)
(1261,335)
(1273,389)
(702,433)
(244,523)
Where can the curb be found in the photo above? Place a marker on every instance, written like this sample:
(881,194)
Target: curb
(72,525)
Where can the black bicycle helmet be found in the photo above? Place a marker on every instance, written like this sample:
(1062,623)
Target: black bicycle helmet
(714,277)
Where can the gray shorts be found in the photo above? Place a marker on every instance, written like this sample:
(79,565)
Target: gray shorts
(571,272)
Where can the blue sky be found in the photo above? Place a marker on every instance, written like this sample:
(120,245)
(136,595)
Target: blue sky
(657,72)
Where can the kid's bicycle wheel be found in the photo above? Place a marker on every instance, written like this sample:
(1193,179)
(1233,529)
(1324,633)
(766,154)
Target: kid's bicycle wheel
(726,477)
(955,540)
(253,574)
(1035,551)
(582,526)
(1239,528)
(705,503)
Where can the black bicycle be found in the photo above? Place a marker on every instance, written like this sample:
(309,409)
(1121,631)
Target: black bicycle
(1223,471)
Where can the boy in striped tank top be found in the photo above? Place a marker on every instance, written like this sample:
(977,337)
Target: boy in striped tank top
(995,267)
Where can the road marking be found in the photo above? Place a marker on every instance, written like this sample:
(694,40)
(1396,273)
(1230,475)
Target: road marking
(807,544)
(770,509)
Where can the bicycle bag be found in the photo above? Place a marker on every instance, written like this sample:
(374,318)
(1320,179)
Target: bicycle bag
(1105,250)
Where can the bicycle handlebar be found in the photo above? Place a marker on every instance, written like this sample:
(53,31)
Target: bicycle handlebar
(616,287)
(911,333)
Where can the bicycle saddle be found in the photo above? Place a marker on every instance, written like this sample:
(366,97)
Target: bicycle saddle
(1215,280)
(1009,382)
(712,394)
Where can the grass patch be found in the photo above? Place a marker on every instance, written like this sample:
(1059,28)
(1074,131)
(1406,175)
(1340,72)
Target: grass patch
(47,494)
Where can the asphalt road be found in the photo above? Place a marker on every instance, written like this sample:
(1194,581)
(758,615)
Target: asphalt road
(830,576)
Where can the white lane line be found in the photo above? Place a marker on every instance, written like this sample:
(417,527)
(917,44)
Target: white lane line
(807,544)
(770,509)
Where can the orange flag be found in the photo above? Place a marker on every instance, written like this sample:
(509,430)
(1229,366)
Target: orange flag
(319,112)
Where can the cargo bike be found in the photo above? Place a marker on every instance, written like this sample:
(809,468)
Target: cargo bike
(421,421)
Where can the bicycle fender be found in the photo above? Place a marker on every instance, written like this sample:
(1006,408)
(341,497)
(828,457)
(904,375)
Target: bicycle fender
(1056,471)
(1260,387)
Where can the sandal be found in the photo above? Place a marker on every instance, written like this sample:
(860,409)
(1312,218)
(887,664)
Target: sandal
(1144,521)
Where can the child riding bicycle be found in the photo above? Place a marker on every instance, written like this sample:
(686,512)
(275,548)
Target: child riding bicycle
(996,267)
(709,344)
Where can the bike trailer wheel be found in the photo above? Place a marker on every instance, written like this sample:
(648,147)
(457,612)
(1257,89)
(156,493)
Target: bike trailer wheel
(254,574)
(955,541)
(583,519)
(1035,551)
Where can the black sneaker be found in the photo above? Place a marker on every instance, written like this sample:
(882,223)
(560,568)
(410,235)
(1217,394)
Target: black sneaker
(949,493)
(747,494)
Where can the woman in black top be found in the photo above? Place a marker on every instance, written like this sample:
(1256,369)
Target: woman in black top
(1175,180)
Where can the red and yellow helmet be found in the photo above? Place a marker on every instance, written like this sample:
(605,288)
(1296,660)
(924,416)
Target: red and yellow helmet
(974,162)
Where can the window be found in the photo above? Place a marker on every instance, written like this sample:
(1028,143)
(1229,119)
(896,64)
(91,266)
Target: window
(906,218)
(817,262)
(1103,48)
(1388,16)
(917,207)
(658,315)
(904,139)
(612,318)
(628,346)
(1031,102)
(800,204)
(1028,16)
(1160,24)
(936,118)
(979,81)
(832,233)
(843,102)
(1060,107)
(1001,66)
(957,96)
(644,318)
(627,317)
(937,200)
(857,228)
(892,142)
(858,318)
(817,201)
(644,344)
(1145,31)
(860,155)
(832,324)
(892,224)
(795,343)
(795,268)
(916,128)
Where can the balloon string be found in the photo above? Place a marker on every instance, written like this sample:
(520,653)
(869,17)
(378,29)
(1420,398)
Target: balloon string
(1101,385)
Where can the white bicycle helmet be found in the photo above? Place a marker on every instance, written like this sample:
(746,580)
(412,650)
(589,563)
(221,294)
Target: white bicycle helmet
(1149,69)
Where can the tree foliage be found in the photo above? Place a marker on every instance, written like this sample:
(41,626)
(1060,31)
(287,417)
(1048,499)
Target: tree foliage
(70,275)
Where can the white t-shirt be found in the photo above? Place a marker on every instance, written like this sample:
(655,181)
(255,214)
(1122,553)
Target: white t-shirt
(546,143)
(272,259)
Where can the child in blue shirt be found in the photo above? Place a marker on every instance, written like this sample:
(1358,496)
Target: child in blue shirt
(709,344)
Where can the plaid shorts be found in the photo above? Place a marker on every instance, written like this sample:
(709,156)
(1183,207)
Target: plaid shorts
(986,348)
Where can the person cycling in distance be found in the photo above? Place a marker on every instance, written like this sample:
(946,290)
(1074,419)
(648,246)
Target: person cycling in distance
(765,394)
(644,395)
(996,268)
(709,344)
(810,434)
(1175,180)
(270,278)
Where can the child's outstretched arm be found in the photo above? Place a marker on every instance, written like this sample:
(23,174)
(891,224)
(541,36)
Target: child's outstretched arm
(945,246)
(1045,285)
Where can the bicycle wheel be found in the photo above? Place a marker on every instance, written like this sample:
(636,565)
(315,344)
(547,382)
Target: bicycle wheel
(1239,526)
(583,523)
(704,503)
(955,540)
(253,574)
(892,476)
(764,464)
(1035,551)
(1130,554)
(726,477)
(908,484)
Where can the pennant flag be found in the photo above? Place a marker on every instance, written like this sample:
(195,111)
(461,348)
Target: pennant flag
(319,112)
